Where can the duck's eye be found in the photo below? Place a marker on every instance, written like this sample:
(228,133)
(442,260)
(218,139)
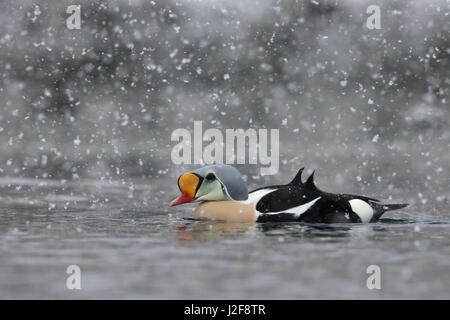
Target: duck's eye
(210,176)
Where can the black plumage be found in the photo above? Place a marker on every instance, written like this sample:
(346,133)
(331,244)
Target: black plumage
(329,208)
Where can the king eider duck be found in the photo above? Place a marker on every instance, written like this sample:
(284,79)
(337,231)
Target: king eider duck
(223,195)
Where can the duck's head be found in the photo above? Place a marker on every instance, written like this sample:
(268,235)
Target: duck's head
(217,182)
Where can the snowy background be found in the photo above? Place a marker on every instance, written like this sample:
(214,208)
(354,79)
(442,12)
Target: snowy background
(369,109)
(86,118)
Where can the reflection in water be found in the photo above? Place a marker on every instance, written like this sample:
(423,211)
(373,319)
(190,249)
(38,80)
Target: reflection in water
(191,230)
(319,231)
(210,230)
(363,232)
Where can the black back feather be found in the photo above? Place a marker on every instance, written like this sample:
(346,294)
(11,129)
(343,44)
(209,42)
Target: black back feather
(297,181)
(310,182)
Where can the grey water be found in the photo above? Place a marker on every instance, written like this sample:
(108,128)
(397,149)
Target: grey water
(129,248)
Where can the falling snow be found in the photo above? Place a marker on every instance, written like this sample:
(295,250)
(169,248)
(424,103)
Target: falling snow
(95,108)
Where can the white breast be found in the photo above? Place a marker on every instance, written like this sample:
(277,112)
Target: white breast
(362,209)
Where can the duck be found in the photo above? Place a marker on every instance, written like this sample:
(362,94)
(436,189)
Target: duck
(223,195)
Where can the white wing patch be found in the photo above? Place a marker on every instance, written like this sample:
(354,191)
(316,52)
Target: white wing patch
(362,209)
(299,209)
(255,196)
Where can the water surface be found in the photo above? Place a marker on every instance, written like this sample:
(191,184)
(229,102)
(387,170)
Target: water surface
(129,244)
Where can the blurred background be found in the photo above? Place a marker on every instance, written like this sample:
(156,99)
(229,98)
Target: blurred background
(368,109)
(86,118)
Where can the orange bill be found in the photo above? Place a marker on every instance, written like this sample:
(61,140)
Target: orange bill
(187,183)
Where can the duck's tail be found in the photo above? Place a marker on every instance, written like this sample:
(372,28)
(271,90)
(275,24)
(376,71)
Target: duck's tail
(395,206)
(380,208)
